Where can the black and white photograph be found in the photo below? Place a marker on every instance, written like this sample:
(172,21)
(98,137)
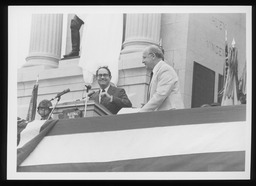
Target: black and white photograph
(129,92)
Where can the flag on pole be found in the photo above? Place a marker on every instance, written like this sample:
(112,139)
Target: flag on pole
(101,45)
(225,66)
(225,69)
(242,86)
(230,96)
(242,81)
(33,103)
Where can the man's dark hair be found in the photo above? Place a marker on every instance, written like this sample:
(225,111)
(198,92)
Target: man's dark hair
(105,67)
(45,104)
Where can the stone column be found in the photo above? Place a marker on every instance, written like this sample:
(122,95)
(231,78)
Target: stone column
(141,30)
(45,40)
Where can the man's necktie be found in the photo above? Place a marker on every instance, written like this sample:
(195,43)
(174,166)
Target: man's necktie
(101,98)
(149,86)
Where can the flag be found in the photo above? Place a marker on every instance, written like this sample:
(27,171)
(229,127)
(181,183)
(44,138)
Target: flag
(31,130)
(101,45)
(199,139)
(33,103)
(31,136)
(21,125)
(242,81)
(230,91)
(225,66)
(225,69)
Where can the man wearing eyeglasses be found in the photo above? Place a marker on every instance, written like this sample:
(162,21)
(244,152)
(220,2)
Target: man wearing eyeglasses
(109,96)
(163,93)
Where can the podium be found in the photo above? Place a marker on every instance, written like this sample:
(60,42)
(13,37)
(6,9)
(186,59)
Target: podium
(75,109)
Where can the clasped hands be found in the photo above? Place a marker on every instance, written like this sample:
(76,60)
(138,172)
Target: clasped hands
(106,97)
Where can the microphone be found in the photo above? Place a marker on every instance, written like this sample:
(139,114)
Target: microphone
(62,93)
(88,87)
(88,95)
(91,93)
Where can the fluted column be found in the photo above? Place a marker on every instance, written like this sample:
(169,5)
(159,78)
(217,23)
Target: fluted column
(141,30)
(45,40)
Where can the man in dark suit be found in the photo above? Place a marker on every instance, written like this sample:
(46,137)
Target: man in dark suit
(109,96)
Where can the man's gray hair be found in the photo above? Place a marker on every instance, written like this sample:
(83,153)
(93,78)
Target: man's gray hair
(157,51)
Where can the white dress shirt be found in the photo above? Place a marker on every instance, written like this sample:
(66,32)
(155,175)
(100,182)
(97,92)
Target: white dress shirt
(106,90)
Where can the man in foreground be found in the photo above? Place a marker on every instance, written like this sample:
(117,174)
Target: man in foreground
(109,96)
(164,93)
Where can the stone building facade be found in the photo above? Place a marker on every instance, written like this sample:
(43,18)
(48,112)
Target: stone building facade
(193,43)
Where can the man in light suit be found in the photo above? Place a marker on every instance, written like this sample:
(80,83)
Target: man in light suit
(164,93)
(109,96)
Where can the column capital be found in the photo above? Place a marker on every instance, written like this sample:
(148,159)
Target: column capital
(141,30)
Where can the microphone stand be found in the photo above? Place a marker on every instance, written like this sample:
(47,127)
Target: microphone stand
(86,99)
(85,102)
(53,108)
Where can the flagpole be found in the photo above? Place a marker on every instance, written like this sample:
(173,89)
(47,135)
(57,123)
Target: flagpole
(86,99)
(85,103)
(37,78)
(58,99)
(33,102)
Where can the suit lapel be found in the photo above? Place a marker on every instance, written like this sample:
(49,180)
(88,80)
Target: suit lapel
(111,90)
(153,84)
(149,86)
(97,97)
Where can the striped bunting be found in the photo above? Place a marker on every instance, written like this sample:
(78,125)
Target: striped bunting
(32,129)
(200,139)
(27,147)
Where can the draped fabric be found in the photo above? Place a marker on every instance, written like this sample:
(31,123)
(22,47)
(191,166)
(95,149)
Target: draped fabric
(21,125)
(199,139)
(24,149)
(101,45)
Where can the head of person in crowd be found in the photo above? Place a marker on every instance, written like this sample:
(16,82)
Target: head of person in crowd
(206,105)
(151,56)
(44,109)
(103,76)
